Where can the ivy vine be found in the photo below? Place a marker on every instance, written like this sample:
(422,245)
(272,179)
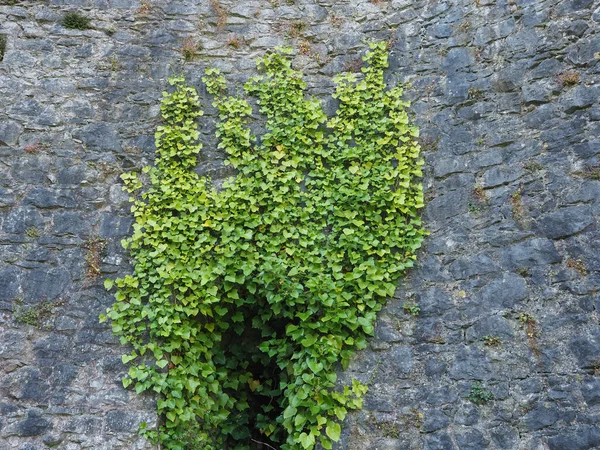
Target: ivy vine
(243,302)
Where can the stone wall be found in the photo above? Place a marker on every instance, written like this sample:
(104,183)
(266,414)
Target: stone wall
(507,97)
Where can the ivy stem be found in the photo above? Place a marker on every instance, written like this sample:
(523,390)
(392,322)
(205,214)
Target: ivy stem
(262,443)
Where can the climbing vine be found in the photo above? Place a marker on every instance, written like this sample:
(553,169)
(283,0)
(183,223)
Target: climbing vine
(244,301)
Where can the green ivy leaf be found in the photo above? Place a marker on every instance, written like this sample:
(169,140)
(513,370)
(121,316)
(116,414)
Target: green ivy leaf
(307,440)
(333,430)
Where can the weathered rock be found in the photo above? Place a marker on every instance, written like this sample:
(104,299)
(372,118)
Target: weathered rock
(584,437)
(100,136)
(540,417)
(470,364)
(504,292)
(10,132)
(496,326)
(33,425)
(504,437)
(591,391)
(438,441)
(530,253)
(471,440)
(435,420)
(566,221)
(507,92)
(476,265)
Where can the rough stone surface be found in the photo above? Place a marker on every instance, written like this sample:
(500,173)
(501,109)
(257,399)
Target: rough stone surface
(506,94)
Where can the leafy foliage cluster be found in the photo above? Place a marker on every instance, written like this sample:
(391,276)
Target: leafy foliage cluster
(244,301)
(479,394)
(76,21)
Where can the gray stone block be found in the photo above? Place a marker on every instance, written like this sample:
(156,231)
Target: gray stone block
(10,132)
(499,175)
(504,292)
(9,283)
(471,440)
(99,136)
(583,437)
(579,97)
(446,206)
(45,283)
(494,325)
(470,364)
(476,265)
(540,417)
(434,420)
(530,253)
(33,425)
(438,441)
(590,388)
(566,221)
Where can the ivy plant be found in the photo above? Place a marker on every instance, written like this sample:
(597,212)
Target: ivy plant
(244,302)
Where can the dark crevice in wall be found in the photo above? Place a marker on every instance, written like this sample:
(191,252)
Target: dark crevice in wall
(3,40)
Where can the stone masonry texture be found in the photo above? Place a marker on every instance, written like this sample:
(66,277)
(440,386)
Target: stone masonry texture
(506,94)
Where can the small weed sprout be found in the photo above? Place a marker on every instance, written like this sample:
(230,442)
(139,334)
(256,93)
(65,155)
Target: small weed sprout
(480,199)
(411,308)
(221,14)
(592,173)
(413,419)
(518,209)
(479,394)
(569,78)
(76,21)
(479,194)
(234,42)
(145,8)
(189,48)
(32,232)
(336,21)
(114,64)
(595,367)
(34,315)
(527,321)
(533,166)
(429,143)
(387,428)
(464,26)
(296,28)
(475,93)
(354,65)
(578,266)
(32,148)
(491,341)
(95,246)
(304,48)
(474,207)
